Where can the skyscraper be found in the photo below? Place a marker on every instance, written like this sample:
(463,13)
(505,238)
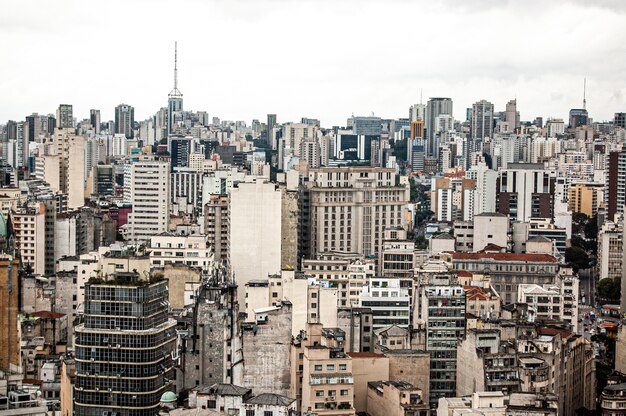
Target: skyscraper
(125,348)
(65,116)
(578,117)
(94,117)
(175,97)
(482,120)
(436,107)
(511,115)
(124,120)
(620,120)
(147,188)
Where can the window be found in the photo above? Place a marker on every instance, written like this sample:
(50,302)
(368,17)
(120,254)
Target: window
(319,393)
(344,392)
(318,367)
(268,413)
(330,367)
(211,404)
(342,367)
(249,412)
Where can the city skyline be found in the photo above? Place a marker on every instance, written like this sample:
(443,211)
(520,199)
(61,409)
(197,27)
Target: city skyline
(241,70)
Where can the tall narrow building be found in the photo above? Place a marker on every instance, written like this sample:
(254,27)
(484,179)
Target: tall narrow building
(436,107)
(124,120)
(175,97)
(125,348)
(65,117)
(94,118)
(147,188)
(482,120)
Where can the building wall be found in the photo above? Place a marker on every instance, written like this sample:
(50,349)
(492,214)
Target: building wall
(9,310)
(266,351)
(289,229)
(411,366)
(255,232)
(365,368)
(177,277)
(490,229)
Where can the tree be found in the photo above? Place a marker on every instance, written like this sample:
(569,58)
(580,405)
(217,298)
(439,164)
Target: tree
(591,228)
(610,289)
(577,258)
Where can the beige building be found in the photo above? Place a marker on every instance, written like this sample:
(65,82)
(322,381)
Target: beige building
(254,232)
(411,366)
(29,226)
(321,373)
(584,198)
(9,200)
(190,250)
(367,367)
(147,188)
(395,398)
(351,207)
(216,221)
(610,249)
(490,228)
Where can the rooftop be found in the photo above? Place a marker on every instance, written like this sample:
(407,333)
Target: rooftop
(271,399)
(519,257)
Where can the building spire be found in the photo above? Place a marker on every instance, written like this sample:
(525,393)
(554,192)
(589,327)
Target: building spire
(175,92)
(175,65)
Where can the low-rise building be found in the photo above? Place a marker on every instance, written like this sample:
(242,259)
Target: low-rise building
(395,398)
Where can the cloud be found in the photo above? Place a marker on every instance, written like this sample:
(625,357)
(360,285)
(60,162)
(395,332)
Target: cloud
(326,59)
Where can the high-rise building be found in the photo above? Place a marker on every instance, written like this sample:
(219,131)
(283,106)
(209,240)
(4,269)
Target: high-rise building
(174,98)
(254,232)
(32,127)
(310,152)
(417,129)
(578,117)
(366,126)
(511,115)
(350,208)
(125,348)
(65,117)
(417,111)
(9,312)
(620,120)
(525,191)
(271,121)
(216,225)
(124,120)
(442,309)
(436,107)
(94,117)
(615,196)
(482,120)
(147,188)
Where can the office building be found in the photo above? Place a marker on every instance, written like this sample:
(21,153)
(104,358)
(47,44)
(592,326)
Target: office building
(442,310)
(578,117)
(620,120)
(94,118)
(511,116)
(65,117)
(615,196)
(147,189)
(435,108)
(350,208)
(482,120)
(125,348)
(525,191)
(124,120)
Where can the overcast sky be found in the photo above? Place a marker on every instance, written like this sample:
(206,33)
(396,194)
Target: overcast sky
(323,59)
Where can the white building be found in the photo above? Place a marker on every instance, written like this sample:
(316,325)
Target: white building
(147,188)
(490,228)
(191,250)
(389,301)
(255,231)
